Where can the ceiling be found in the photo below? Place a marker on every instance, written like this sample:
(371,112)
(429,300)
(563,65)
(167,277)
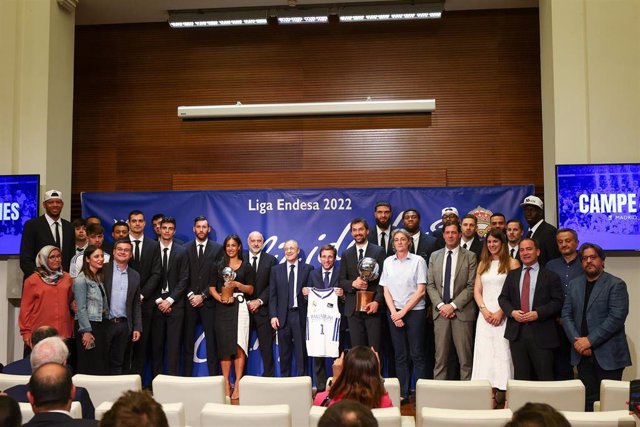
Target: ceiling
(96,12)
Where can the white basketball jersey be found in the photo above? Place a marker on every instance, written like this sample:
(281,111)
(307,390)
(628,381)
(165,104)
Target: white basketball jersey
(323,323)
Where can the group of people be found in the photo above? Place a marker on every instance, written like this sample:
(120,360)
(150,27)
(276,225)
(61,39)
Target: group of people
(454,305)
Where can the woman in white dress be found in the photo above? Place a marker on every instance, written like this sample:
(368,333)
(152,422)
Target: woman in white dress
(492,357)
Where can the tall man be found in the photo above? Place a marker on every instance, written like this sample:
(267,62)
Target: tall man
(288,308)
(258,305)
(364,326)
(593,315)
(169,300)
(146,261)
(124,320)
(470,239)
(450,277)
(539,230)
(47,229)
(568,267)
(531,298)
(382,236)
(203,254)
(514,235)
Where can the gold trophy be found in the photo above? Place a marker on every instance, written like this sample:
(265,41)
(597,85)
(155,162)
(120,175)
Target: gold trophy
(228,275)
(369,270)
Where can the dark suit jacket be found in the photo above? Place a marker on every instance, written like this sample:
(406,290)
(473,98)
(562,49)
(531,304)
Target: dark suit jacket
(149,267)
(19,367)
(279,291)
(56,419)
(202,271)
(439,236)
(134,315)
(607,311)
(349,272)
(426,246)
(177,275)
(19,394)
(545,236)
(547,301)
(261,287)
(316,279)
(373,238)
(36,235)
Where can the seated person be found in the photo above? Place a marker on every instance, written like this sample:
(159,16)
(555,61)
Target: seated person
(23,366)
(537,415)
(10,415)
(348,413)
(135,409)
(356,376)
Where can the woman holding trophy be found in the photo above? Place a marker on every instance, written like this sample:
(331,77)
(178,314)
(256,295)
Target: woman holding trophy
(234,282)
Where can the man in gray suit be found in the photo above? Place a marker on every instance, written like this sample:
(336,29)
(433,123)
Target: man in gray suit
(452,271)
(596,329)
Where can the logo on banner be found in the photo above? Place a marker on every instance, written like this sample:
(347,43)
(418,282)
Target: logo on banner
(484,219)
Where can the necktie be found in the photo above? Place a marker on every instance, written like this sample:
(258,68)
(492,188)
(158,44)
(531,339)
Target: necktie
(292,287)
(446,291)
(58,243)
(529,234)
(513,253)
(200,250)
(165,266)
(383,242)
(414,246)
(526,286)
(464,245)
(361,254)
(325,282)
(254,264)
(136,251)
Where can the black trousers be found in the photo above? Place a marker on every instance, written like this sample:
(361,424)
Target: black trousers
(591,374)
(138,352)
(530,362)
(262,324)
(365,329)
(191,317)
(166,333)
(117,339)
(562,357)
(93,361)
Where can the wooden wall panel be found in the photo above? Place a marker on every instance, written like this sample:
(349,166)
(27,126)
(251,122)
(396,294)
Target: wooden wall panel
(482,67)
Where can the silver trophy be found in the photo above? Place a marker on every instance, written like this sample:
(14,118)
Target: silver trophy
(228,274)
(368,269)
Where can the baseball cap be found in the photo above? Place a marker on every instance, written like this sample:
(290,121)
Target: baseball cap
(450,210)
(52,194)
(532,201)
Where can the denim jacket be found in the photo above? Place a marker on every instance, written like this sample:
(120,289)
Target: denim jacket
(90,302)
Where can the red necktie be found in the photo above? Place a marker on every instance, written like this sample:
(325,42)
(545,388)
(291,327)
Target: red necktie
(524,295)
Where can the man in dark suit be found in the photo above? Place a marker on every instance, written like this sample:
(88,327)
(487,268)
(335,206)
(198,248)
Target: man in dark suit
(324,278)
(23,366)
(450,278)
(124,321)
(50,394)
(449,213)
(382,236)
(531,299)
(514,235)
(47,229)
(470,239)
(146,261)
(364,326)
(168,313)
(204,255)
(288,308)
(539,230)
(258,305)
(596,329)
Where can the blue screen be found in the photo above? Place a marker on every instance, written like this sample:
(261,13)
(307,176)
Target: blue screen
(19,196)
(601,203)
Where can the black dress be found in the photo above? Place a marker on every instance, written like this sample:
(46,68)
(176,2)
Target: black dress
(226,315)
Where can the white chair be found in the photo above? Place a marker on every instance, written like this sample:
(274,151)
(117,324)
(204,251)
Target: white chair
(294,391)
(600,419)
(173,411)
(107,388)
(439,417)
(476,394)
(314,415)
(193,392)
(218,414)
(392,385)
(614,395)
(568,395)
(27,412)
(9,380)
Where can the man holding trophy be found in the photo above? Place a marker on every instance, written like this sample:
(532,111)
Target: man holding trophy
(363,298)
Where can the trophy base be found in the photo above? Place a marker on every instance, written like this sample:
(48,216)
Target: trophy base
(363,298)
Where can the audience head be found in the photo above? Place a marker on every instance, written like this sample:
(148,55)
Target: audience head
(50,388)
(10,415)
(49,350)
(348,413)
(537,415)
(135,409)
(41,333)
(360,378)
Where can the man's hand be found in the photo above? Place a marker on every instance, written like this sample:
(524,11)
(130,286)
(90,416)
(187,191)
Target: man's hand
(196,301)
(518,316)
(530,316)
(360,284)
(305,291)
(372,307)
(136,336)
(447,311)
(274,323)
(581,344)
(164,307)
(253,305)
(339,292)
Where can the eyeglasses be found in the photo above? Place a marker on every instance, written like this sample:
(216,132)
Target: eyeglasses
(589,257)
(125,250)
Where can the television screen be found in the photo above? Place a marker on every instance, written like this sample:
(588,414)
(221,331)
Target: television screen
(19,196)
(601,203)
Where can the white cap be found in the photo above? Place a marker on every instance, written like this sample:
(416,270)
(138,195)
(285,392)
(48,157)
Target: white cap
(450,210)
(532,201)
(52,195)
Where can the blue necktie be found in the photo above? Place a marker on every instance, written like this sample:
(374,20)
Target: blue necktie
(292,278)
(446,293)
(325,283)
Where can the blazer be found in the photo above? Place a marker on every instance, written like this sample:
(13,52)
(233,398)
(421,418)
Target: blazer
(57,419)
(547,301)
(426,246)
(607,311)
(279,291)
(463,281)
(19,394)
(36,235)
(149,267)
(349,272)
(476,247)
(261,286)
(202,271)
(545,237)
(373,238)
(177,275)
(316,279)
(134,314)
